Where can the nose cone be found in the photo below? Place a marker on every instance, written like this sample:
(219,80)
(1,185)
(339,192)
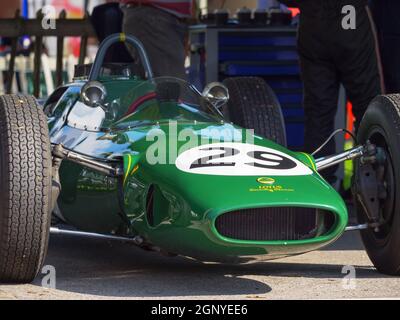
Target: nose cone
(232,199)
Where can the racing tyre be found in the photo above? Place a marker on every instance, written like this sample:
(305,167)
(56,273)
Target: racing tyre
(25,188)
(381,126)
(253,105)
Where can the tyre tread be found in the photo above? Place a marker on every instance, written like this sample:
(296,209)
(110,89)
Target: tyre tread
(25,179)
(253,105)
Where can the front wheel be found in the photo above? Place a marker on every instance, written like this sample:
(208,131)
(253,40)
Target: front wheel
(25,188)
(381,126)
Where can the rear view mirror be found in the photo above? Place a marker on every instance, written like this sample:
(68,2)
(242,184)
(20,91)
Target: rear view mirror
(93,94)
(217,94)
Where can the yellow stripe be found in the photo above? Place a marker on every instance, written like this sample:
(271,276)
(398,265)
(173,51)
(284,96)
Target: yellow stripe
(122,37)
(311,161)
(129,167)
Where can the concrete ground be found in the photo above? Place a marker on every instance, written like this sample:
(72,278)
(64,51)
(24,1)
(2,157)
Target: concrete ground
(93,269)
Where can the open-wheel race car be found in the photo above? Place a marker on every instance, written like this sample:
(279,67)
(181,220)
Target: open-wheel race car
(155,162)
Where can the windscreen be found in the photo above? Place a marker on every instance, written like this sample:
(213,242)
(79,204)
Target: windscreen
(163,99)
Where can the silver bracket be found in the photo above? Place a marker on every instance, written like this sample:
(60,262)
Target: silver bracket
(137,240)
(59,151)
(357,227)
(326,162)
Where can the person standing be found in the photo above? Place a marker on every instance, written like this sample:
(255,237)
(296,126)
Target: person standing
(161,25)
(336,44)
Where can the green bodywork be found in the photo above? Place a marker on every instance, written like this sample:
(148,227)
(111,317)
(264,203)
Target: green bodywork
(185,205)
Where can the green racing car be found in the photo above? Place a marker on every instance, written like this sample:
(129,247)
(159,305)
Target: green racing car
(207,175)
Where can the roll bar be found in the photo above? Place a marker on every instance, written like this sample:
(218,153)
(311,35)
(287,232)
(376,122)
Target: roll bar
(108,42)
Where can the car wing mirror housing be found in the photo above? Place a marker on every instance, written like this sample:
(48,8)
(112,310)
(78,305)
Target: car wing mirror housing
(93,94)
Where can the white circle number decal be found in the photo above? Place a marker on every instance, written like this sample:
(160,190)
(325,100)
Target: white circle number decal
(239,159)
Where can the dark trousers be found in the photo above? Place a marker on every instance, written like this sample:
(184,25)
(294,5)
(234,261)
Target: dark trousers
(386,16)
(329,56)
(163,36)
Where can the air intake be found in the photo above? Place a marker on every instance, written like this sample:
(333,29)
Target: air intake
(270,224)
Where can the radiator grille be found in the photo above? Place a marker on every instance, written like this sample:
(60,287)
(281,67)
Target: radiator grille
(269,224)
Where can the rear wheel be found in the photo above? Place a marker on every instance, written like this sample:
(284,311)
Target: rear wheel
(381,126)
(253,105)
(25,188)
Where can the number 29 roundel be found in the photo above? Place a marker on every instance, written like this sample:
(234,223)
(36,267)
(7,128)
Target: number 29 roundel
(239,159)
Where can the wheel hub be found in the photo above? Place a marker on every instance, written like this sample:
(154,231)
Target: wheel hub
(375,183)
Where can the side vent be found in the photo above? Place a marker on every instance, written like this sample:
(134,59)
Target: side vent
(157,206)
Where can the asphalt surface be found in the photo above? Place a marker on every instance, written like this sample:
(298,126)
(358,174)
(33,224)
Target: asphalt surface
(94,269)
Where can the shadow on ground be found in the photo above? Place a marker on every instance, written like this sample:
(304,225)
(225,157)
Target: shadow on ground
(120,270)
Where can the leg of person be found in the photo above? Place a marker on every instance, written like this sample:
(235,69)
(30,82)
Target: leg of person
(321,89)
(357,59)
(163,37)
